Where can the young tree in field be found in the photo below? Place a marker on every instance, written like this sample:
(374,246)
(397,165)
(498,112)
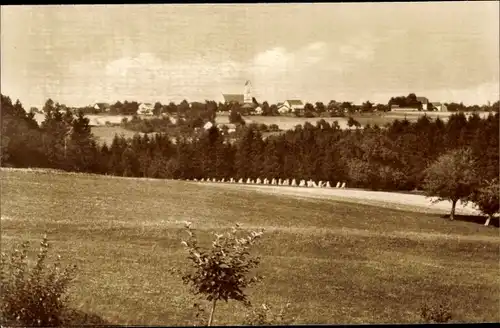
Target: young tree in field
(452,177)
(486,199)
(157,108)
(235,117)
(221,272)
(266,110)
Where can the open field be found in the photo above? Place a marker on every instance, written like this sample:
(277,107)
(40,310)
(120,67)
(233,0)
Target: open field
(414,202)
(107,133)
(95,120)
(336,262)
(98,122)
(288,122)
(383,118)
(284,122)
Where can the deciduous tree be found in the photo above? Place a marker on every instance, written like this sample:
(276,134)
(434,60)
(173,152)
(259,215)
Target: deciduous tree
(452,177)
(486,199)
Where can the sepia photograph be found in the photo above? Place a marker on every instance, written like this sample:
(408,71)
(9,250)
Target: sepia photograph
(250,164)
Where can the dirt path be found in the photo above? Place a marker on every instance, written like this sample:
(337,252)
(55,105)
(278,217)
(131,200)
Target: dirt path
(411,202)
(394,200)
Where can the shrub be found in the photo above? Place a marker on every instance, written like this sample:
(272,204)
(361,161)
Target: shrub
(486,198)
(33,296)
(221,273)
(236,118)
(263,127)
(274,128)
(351,122)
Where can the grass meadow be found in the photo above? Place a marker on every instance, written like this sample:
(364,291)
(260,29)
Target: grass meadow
(105,134)
(289,122)
(335,262)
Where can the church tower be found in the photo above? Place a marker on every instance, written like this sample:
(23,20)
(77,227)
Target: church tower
(247,95)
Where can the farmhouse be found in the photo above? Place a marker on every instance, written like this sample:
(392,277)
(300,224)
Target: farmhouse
(103,107)
(424,101)
(440,107)
(145,109)
(258,110)
(290,105)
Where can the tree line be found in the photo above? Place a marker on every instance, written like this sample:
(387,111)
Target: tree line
(392,157)
(333,108)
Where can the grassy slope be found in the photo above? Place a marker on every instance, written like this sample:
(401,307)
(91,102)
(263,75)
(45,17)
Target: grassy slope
(335,262)
(105,134)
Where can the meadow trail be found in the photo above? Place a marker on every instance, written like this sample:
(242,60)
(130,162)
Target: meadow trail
(414,203)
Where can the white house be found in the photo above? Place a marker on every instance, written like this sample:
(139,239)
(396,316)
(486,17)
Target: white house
(258,110)
(103,107)
(145,109)
(208,125)
(290,105)
(424,101)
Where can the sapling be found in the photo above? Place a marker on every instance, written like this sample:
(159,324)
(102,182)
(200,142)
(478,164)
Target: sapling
(223,271)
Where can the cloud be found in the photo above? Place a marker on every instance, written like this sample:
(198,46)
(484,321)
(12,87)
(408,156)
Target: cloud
(279,73)
(475,95)
(146,77)
(281,63)
(315,71)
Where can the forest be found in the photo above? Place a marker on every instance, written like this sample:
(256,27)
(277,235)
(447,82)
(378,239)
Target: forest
(391,157)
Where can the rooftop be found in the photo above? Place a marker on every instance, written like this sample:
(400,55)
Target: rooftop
(237,98)
(295,102)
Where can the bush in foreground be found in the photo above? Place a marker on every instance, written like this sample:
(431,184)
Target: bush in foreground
(221,272)
(33,296)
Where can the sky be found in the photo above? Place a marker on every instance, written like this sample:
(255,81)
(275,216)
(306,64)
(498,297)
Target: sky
(79,55)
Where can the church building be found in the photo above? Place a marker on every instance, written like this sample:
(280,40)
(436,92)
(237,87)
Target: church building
(244,99)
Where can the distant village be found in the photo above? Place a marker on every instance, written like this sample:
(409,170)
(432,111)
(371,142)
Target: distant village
(251,106)
(245,104)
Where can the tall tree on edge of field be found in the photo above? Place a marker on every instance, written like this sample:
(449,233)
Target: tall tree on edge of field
(453,177)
